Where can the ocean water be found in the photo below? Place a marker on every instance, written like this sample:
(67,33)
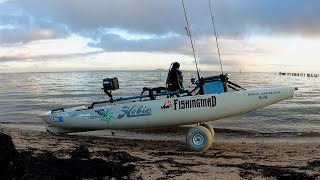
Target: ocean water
(23,96)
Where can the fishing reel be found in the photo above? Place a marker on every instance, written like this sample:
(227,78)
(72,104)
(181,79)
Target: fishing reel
(193,80)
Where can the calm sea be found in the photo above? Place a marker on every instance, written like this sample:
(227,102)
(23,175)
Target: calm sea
(23,96)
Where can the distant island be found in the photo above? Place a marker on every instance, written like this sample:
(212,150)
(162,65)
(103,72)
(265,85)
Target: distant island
(159,69)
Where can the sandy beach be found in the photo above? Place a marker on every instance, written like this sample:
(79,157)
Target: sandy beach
(41,155)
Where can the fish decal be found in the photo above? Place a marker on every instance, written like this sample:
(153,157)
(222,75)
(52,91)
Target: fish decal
(167,105)
(105,115)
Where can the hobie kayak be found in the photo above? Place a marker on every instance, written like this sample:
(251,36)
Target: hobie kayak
(212,102)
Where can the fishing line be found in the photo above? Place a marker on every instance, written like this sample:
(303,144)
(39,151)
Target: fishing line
(190,36)
(215,34)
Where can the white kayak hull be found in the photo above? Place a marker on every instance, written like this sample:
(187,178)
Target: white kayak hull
(164,112)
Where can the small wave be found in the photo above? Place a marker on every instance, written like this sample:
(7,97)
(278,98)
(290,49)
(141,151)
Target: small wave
(310,134)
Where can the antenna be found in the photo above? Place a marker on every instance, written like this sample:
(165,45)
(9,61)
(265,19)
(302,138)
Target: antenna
(190,36)
(215,34)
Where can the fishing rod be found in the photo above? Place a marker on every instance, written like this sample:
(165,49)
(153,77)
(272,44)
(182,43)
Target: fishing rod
(215,34)
(190,36)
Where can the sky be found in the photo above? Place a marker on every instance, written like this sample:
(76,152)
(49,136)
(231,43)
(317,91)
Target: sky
(73,35)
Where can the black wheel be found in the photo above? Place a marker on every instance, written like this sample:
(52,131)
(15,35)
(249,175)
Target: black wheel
(210,128)
(199,139)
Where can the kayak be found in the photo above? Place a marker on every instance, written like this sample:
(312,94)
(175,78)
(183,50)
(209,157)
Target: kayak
(212,98)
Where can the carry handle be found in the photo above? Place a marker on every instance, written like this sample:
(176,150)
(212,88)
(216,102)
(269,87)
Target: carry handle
(60,109)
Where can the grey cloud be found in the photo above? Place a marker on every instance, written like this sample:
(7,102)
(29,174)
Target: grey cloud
(21,56)
(114,43)
(178,44)
(24,35)
(141,15)
(233,17)
(24,27)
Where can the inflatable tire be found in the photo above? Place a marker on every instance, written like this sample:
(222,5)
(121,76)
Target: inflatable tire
(210,128)
(199,139)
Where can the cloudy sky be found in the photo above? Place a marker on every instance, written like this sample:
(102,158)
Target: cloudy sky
(68,35)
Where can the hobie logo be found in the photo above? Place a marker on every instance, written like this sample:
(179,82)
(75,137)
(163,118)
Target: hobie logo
(134,111)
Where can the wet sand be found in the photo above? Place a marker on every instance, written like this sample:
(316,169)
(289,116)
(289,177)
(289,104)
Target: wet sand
(41,155)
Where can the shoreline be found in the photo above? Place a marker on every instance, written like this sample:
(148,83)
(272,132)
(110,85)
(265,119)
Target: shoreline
(178,131)
(229,158)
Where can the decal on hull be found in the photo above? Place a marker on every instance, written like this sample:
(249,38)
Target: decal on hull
(167,105)
(105,115)
(194,103)
(56,119)
(134,111)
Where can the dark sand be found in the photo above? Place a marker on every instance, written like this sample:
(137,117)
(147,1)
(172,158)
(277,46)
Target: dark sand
(40,155)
